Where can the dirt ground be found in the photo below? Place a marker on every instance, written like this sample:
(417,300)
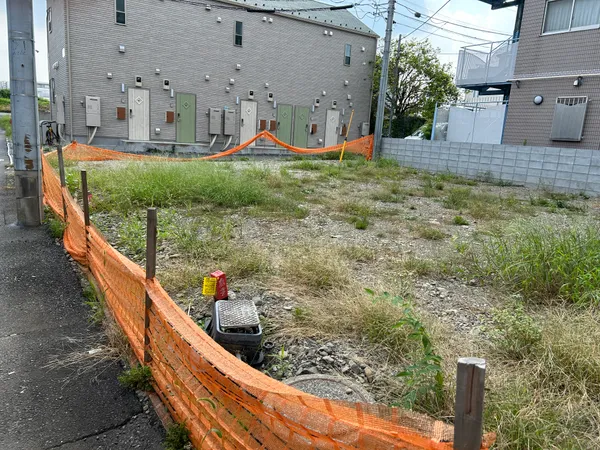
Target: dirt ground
(391,230)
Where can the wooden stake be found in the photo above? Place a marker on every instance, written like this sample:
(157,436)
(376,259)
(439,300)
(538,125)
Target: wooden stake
(63,182)
(85,193)
(468,420)
(151,222)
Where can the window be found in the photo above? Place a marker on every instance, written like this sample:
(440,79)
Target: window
(120,12)
(569,116)
(347,52)
(237,40)
(52,91)
(49,20)
(571,15)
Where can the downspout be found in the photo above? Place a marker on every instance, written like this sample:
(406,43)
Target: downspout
(69,73)
(518,21)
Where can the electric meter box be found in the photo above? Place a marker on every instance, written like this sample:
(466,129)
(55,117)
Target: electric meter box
(214,121)
(364,128)
(92,111)
(229,122)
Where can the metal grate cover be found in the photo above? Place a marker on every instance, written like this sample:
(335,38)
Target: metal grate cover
(237,314)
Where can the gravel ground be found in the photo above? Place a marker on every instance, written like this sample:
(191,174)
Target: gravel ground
(460,304)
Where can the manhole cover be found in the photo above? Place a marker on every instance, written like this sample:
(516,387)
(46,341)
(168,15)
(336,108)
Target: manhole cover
(139,100)
(331,387)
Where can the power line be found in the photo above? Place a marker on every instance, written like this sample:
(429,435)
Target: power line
(456,24)
(441,28)
(443,17)
(429,18)
(438,35)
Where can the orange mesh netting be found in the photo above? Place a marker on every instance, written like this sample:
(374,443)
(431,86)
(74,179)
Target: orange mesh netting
(81,152)
(208,388)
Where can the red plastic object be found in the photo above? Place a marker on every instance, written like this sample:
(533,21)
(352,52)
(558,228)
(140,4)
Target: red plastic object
(221,293)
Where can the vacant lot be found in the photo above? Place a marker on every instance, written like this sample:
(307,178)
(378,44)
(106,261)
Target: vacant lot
(386,275)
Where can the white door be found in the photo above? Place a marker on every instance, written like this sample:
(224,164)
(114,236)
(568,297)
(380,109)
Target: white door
(139,114)
(248,116)
(332,126)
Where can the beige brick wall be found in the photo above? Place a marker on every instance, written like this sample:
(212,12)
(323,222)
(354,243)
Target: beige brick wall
(542,56)
(526,121)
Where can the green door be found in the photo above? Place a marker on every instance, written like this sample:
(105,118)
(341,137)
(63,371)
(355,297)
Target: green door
(284,123)
(301,126)
(186,118)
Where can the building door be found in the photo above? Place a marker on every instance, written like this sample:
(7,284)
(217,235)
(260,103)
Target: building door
(139,114)
(332,126)
(186,118)
(284,123)
(301,126)
(248,116)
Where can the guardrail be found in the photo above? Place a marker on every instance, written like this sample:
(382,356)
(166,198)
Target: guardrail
(486,64)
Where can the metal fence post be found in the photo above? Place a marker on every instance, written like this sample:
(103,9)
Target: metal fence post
(468,419)
(150,273)
(85,193)
(63,182)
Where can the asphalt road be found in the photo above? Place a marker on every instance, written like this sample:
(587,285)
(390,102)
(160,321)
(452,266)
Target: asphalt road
(41,313)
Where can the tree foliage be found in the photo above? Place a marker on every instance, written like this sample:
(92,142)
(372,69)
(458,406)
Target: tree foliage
(422,82)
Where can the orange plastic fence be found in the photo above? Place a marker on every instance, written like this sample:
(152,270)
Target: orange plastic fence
(207,387)
(81,152)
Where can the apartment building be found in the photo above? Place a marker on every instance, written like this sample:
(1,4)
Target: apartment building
(549,72)
(198,73)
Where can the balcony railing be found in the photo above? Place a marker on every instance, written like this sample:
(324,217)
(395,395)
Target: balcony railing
(486,64)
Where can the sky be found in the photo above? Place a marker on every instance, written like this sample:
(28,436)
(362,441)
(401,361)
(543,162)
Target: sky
(470,13)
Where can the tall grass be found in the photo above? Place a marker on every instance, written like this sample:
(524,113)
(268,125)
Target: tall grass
(174,184)
(545,260)
(550,399)
(6,125)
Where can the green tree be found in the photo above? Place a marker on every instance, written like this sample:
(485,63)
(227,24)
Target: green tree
(422,82)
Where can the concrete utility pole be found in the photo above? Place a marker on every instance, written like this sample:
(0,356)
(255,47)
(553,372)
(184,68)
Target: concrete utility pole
(396,82)
(385,62)
(24,107)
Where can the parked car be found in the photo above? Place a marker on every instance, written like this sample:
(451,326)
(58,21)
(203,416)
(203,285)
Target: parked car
(418,135)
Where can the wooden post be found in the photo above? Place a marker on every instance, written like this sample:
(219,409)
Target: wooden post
(63,182)
(468,420)
(85,193)
(150,273)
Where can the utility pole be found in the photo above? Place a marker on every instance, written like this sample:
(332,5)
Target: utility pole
(385,62)
(396,82)
(24,107)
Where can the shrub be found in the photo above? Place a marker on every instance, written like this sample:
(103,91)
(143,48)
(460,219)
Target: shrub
(137,378)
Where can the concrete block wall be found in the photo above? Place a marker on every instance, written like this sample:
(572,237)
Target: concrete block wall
(557,169)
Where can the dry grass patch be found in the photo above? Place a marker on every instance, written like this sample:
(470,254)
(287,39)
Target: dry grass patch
(549,397)
(316,268)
